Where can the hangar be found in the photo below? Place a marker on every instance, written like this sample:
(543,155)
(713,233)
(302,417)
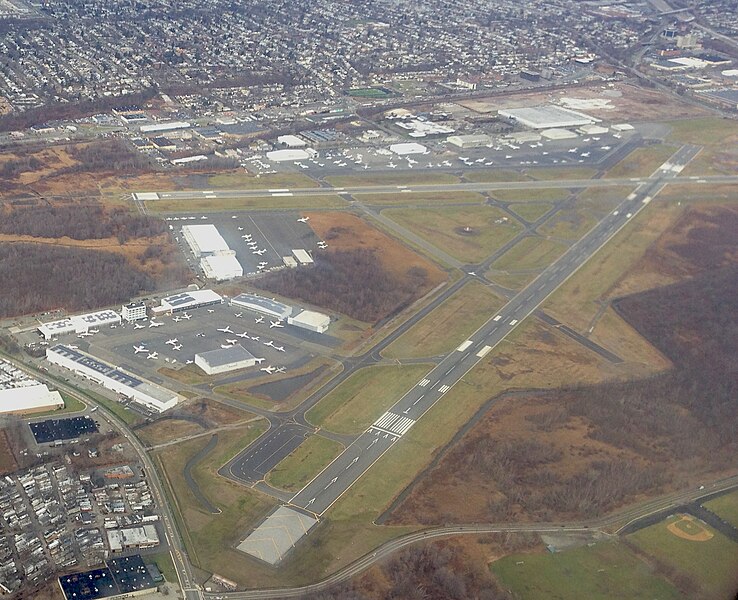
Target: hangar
(187,301)
(79,323)
(148,394)
(221,267)
(408,148)
(311,320)
(224,360)
(546,117)
(29,399)
(469,141)
(290,154)
(262,305)
(204,240)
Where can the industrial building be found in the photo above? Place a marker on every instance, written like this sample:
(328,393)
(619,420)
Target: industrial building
(291,141)
(408,148)
(224,360)
(148,394)
(469,141)
(134,311)
(166,126)
(143,536)
(187,301)
(79,323)
(302,256)
(29,399)
(124,577)
(546,117)
(217,260)
(311,320)
(221,267)
(266,306)
(290,154)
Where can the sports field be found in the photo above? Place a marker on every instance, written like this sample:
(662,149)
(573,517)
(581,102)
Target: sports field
(605,571)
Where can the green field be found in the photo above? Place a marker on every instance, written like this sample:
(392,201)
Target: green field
(442,227)
(530,253)
(368,93)
(605,571)
(163,561)
(304,463)
(363,397)
(706,131)
(726,507)
(542,173)
(533,195)
(603,199)
(494,176)
(267,202)
(642,161)
(461,315)
(531,211)
(244,181)
(511,281)
(402,178)
(712,564)
(422,198)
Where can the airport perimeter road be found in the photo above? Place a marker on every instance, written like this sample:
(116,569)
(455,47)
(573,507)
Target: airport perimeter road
(439,188)
(341,474)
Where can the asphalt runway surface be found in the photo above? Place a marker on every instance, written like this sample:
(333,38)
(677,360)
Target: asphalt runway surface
(339,476)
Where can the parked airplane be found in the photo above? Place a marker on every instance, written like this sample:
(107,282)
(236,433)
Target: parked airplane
(303,219)
(153,356)
(269,343)
(189,362)
(245,334)
(269,369)
(259,320)
(258,361)
(178,347)
(259,252)
(139,349)
(279,348)
(322,245)
(280,370)
(226,346)
(263,264)
(232,342)
(155,324)
(226,329)
(275,324)
(176,319)
(240,228)
(172,342)
(138,326)
(186,317)
(210,310)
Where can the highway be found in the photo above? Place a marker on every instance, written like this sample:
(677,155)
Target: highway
(439,188)
(320,494)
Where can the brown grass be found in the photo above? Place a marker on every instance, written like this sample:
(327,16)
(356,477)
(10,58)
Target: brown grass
(7,459)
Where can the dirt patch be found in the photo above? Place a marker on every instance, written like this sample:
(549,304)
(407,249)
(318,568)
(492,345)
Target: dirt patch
(214,412)
(688,528)
(7,460)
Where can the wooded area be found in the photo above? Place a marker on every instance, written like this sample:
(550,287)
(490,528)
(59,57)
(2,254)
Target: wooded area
(47,277)
(352,282)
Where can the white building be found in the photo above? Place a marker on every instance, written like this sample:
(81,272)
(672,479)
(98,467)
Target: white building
(469,141)
(408,148)
(135,311)
(224,360)
(310,319)
(144,536)
(291,141)
(204,240)
(546,117)
(221,267)
(188,301)
(290,155)
(79,323)
(148,394)
(29,399)
(302,256)
(165,126)
(266,306)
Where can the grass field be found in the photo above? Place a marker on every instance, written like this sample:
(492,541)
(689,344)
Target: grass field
(511,281)
(368,93)
(712,564)
(210,537)
(533,195)
(530,253)
(569,223)
(642,161)
(443,228)
(422,198)
(461,315)
(265,203)
(603,199)
(401,178)
(188,374)
(163,561)
(605,571)
(304,463)
(531,211)
(704,132)
(494,176)
(166,430)
(726,507)
(128,416)
(363,397)
(244,181)
(542,173)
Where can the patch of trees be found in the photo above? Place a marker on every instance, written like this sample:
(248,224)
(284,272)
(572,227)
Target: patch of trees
(108,155)
(38,278)
(352,282)
(90,222)
(12,168)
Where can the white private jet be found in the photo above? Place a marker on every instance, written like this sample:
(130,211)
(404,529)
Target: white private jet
(322,245)
(263,264)
(176,319)
(172,342)
(259,252)
(210,310)
(240,228)
(392,165)
(259,320)
(138,326)
(238,315)
(269,369)
(303,219)
(258,361)
(255,338)
(273,324)
(139,349)
(226,346)
(153,356)
(189,362)
(245,334)
(155,324)
(178,347)
(280,370)
(279,348)
(269,343)
(226,329)
(232,342)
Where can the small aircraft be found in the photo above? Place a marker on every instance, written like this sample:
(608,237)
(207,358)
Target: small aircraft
(259,252)
(176,319)
(186,317)
(138,326)
(155,324)
(258,361)
(269,369)
(269,343)
(226,329)
(240,228)
(280,370)
(255,338)
(259,320)
(139,349)
(238,315)
(263,264)
(210,310)
(232,342)
(245,334)
(226,346)
(189,362)
(178,347)
(153,356)
(303,219)
(322,245)
(279,348)
(275,324)
(172,342)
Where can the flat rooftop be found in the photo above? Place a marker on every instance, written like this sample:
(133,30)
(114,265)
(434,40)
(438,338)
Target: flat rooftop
(226,356)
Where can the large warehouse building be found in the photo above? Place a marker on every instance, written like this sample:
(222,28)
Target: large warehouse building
(217,260)
(221,267)
(79,323)
(266,306)
(311,320)
(187,301)
(546,117)
(224,360)
(29,399)
(148,394)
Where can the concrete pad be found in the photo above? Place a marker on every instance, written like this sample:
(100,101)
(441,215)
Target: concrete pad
(277,535)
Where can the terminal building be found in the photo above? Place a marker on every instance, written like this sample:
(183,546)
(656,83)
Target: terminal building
(265,306)
(217,260)
(224,360)
(311,320)
(150,395)
(187,301)
(79,323)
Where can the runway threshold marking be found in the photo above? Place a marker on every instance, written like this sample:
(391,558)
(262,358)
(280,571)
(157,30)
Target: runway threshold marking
(484,351)
(464,346)
(393,423)
(444,388)
(424,382)
(275,194)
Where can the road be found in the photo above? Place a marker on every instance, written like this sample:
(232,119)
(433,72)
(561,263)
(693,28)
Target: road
(442,188)
(320,494)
